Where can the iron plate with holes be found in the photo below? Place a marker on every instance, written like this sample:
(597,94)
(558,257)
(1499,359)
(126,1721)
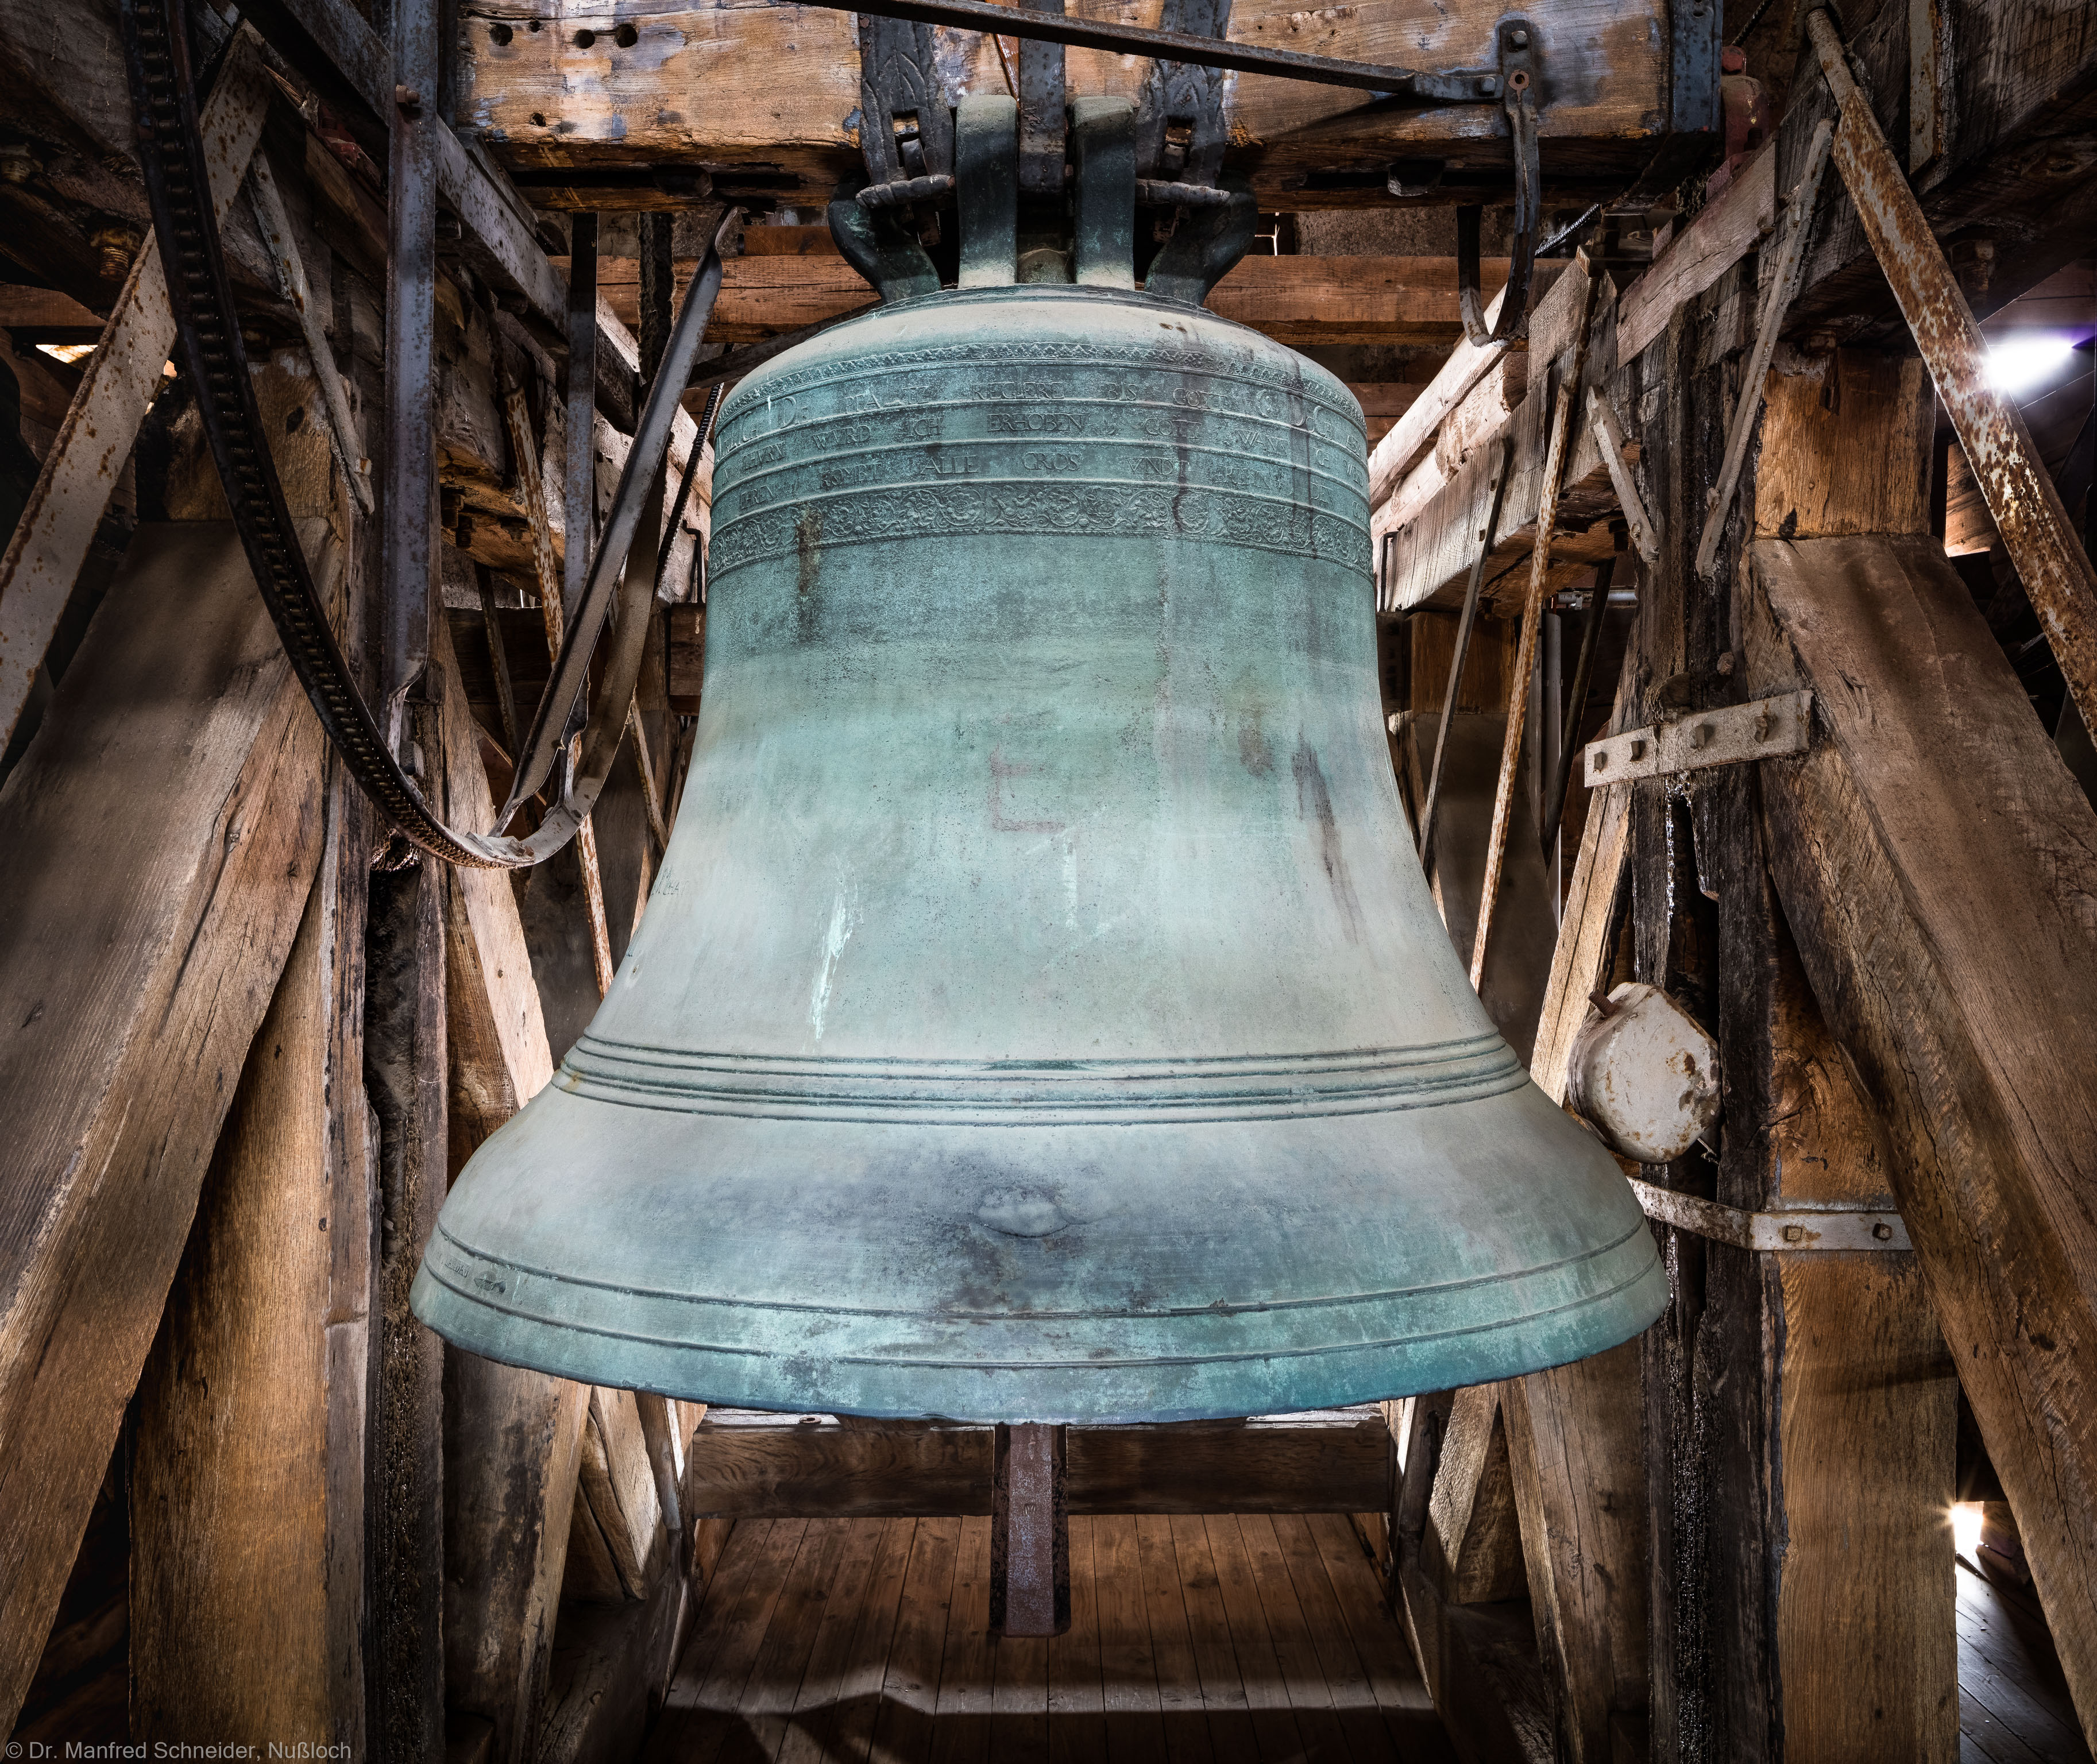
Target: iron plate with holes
(1766,729)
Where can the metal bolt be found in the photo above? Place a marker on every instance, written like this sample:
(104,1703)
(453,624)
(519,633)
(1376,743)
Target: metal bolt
(409,99)
(1882,1231)
(1794,1233)
(1488,86)
(1637,750)
(1699,735)
(1599,761)
(1517,39)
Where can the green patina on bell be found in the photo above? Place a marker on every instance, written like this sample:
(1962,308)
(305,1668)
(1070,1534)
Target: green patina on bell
(1040,1014)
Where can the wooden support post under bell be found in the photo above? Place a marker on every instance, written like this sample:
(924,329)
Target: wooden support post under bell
(1030,1548)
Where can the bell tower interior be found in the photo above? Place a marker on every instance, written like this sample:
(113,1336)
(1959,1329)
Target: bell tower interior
(1126,882)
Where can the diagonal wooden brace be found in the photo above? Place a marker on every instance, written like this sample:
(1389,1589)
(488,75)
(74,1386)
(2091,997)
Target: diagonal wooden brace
(49,544)
(2020,496)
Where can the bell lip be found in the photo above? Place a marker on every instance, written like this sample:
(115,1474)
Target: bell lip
(1339,1377)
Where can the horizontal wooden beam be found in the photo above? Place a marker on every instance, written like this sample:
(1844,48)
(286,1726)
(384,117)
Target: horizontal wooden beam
(1402,301)
(745,1464)
(560,91)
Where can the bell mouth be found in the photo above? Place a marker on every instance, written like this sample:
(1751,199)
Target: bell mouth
(1101,1273)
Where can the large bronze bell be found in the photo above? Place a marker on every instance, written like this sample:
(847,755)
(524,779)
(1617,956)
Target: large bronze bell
(1040,1014)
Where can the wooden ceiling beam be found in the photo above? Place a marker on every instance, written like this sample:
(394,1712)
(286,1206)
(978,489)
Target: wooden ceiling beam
(1401,300)
(554,88)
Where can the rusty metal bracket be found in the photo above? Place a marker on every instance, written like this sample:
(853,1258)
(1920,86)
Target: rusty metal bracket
(1517,89)
(1786,1231)
(1734,734)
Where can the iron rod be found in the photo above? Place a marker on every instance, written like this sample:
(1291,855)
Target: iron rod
(1470,617)
(1569,745)
(1175,46)
(1532,617)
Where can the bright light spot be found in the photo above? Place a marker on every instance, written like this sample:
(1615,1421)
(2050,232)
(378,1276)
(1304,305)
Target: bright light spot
(1966,1528)
(67,352)
(2017,361)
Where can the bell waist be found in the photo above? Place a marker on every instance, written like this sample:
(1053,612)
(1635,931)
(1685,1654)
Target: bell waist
(1036,1093)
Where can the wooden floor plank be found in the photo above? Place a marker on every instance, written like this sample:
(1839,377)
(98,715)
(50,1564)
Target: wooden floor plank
(962,1728)
(1380,1644)
(1274,1719)
(774,1684)
(1077,1725)
(820,1698)
(1223,1640)
(1317,1719)
(1019,1700)
(1230,1733)
(2006,1663)
(850,1735)
(1128,1675)
(698,1715)
(1369,1741)
(910,1690)
(1171,1645)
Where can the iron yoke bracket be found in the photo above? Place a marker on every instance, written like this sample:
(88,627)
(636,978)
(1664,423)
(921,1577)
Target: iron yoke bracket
(1516,88)
(906,132)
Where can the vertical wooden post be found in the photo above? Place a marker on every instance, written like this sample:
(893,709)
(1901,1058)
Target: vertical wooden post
(511,1437)
(248,1511)
(1798,1406)
(1574,1432)
(405,1075)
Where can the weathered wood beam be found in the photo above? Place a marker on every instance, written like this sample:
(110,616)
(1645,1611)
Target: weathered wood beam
(1512,987)
(406,1072)
(248,1509)
(158,843)
(1401,448)
(558,92)
(1722,232)
(2027,141)
(625,1506)
(50,541)
(1574,1432)
(512,1437)
(1432,546)
(1479,1661)
(1473,1543)
(747,1464)
(1293,299)
(330,44)
(1936,860)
